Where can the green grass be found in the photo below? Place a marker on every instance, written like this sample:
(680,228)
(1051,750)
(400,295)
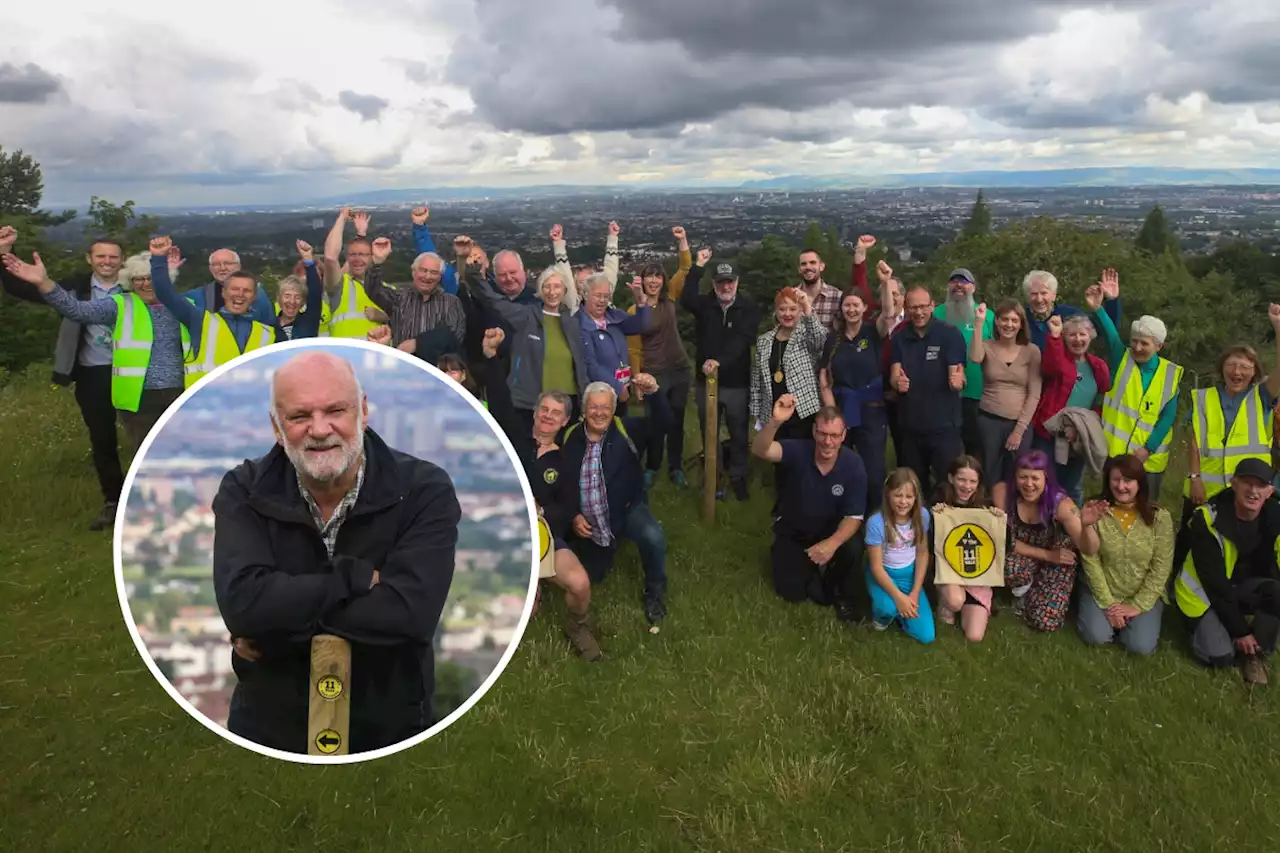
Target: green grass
(746,725)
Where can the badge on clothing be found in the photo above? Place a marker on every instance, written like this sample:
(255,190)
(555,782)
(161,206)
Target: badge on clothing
(931,354)
(837,489)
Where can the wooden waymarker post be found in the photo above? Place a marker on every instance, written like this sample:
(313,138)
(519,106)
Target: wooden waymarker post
(711,453)
(329,706)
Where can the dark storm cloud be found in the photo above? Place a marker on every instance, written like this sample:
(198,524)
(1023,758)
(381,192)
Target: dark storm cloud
(29,84)
(647,64)
(368,107)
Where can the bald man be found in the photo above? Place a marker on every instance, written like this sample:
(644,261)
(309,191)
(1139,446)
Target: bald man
(332,532)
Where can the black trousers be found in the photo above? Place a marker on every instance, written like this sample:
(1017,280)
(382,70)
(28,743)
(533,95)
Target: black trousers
(930,454)
(93,395)
(796,578)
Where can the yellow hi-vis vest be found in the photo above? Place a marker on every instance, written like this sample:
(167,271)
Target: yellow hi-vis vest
(131,350)
(218,346)
(1190,595)
(348,319)
(1129,415)
(1220,453)
(325,315)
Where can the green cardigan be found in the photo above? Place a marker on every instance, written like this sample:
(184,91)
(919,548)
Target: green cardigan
(1131,568)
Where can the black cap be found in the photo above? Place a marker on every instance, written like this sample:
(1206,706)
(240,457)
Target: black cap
(726,272)
(1256,469)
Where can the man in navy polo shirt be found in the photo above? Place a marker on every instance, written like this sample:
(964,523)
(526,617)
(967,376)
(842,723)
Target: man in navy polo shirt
(927,371)
(822,501)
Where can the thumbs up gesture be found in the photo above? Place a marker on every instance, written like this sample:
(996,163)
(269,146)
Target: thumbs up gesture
(903,384)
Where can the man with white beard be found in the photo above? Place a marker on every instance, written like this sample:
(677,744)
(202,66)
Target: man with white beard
(958,311)
(332,532)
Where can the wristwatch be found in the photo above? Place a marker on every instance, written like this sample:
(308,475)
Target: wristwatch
(1193,476)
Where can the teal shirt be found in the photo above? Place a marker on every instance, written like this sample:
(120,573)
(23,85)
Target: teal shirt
(1085,391)
(972,370)
(1116,349)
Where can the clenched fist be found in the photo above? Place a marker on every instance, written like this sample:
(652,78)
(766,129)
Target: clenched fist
(614,230)
(420,215)
(678,232)
(8,236)
(493,339)
(305,251)
(884,272)
(704,255)
(784,408)
(160,246)
(380,335)
(1055,326)
(557,233)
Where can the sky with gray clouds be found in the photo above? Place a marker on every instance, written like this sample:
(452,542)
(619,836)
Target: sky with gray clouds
(241,101)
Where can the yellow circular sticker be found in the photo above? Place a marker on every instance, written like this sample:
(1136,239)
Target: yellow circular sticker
(544,538)
(328,741)
(969,551)
(329,687)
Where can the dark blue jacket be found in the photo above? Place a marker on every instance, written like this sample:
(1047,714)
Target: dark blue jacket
(620,463)
(606,349)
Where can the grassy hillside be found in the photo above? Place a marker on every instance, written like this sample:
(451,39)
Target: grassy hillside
(746,725)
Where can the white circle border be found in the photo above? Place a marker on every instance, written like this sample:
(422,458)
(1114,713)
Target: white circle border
(126,611)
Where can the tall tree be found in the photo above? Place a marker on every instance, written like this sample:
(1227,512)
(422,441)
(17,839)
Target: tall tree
(979,224)
(1156,237)
(122,224)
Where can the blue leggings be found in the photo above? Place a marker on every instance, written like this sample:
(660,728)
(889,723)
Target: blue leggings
(884,611)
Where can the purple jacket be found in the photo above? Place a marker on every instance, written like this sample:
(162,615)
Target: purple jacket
(606,349)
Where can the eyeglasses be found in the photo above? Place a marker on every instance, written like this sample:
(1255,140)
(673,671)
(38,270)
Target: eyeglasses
(832,437)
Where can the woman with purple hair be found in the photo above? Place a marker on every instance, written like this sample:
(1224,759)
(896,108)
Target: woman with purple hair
(1046,528)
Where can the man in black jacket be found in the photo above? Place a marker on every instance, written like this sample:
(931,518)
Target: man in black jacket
(332,532)
(82,357)
(1228,588)
(608,502)
(725,327)
(554,495)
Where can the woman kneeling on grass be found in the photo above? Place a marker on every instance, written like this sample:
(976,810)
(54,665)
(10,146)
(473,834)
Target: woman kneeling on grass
(964,489)
(898,551)
(1047,528)
(1127,577)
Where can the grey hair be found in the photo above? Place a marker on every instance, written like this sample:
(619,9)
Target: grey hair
(139,266)
(427,256)
(291,282)
(545,276)
(275,376)
(600,388)
(594,279)
(1149,327)
(508,253)
(1079,320)
(234,255)
(558,397)
(1048,279)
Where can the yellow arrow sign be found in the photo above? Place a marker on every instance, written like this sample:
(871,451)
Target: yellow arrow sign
(969,551)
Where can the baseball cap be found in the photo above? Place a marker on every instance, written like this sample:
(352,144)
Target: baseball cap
(726,272)
(962,274)
(1255,468)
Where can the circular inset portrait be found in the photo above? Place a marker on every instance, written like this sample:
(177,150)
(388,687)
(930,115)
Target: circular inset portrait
(326,551)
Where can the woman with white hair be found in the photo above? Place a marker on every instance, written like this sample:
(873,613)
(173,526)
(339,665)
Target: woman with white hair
(547,353)
(1138,412)
(1071,378)
(146,343)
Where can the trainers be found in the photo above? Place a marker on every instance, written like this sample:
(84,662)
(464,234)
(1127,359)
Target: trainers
(1019,605)
(678,479)
(579,635)
(945,615)
(880,626)
(106,519)
(648,478)
(1254,670)
(740,489)
(654,609)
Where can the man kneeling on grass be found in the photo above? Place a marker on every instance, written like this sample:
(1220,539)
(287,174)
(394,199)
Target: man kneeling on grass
(1228,588)
(554,494)
(332,532)
(609,499)
(821,505)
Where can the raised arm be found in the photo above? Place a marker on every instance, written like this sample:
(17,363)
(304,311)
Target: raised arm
(1093,304)
(561,254)
(675,284)
(381,295)
(858,275)
(689,295)
(414,581)
(611,254)
(308,325)
(179,306)
(1079,524)
(884,322)
(1273,378)
(514,313)
(765,446)
(978,350)
(35,276)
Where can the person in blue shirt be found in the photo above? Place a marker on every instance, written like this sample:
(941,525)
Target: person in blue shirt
(239,293)
(223,264)
(1041,289)
(898,558)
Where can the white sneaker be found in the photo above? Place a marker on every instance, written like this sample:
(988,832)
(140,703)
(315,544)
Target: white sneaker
(945,615)
(880,626)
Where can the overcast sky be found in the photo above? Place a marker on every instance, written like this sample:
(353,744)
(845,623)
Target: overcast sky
(239,101)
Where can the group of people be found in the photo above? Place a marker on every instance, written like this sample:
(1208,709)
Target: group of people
(1000,408)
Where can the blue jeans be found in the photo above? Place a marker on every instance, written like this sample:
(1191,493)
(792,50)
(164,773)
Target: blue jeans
(642,528)
(884,611)
(870,440)
(1070,476)
(1141,635)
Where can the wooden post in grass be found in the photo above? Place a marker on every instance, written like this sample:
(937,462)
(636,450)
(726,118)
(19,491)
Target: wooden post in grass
(711,452)
(329,706)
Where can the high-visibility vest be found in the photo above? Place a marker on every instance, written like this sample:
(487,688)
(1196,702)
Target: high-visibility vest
(325,315)
(1220,453)
(218,346)
(348,320)
(1187,591)
(1129,415)
(131,350)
